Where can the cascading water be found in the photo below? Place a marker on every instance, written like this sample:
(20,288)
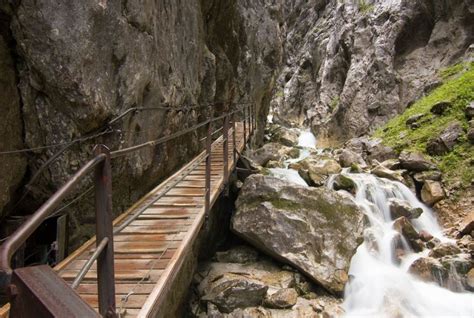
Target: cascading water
(379,285)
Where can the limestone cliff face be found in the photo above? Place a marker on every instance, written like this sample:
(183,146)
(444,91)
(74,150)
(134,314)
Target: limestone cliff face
(351,65)
(81,63)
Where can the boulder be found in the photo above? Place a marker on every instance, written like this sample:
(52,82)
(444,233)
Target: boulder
(274,164)
(391,164)
(347,158)
(286,136)
(415,161)
(469,111)
(432,192)
(342,182)
(378,151)
(425,236)
(399,208)
(421,177)
(236,293)
(240,254)
(429,270)
(412,121)
(315,230)
(440,107)
(470,135)
(281,299)
(470,280)
(403,226)
(316,169)
(444,249)
(270,151)
(382,172)
(467,224)
(446,140)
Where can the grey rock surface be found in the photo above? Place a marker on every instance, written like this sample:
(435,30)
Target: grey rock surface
(314,229)
(351,65)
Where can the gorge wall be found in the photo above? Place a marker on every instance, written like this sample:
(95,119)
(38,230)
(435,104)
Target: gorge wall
(67,68)
(349,66)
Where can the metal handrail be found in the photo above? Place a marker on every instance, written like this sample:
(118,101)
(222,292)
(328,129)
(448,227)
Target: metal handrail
(101,163)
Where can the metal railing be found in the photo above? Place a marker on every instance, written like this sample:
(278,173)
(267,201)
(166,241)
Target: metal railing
(101,164)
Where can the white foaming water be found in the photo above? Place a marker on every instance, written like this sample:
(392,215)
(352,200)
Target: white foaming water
(307,141)
(379,286)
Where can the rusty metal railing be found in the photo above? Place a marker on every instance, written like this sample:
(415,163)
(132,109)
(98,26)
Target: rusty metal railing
(101,164)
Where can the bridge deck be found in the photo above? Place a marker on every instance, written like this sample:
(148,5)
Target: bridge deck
(150,250)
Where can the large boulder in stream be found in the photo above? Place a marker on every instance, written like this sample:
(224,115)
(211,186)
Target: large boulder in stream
(316,230)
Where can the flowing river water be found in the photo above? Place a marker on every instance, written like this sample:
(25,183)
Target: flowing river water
(379,285)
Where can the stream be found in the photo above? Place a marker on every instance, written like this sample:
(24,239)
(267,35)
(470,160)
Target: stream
(379,285)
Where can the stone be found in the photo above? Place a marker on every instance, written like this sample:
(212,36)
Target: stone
(445,141)
(399,207)
(240,254)
(382,172)
(467,224)
(415,161)
(413,119)
(286,136)
(429,269)
(391,164)
(470,279)
(281,299)
(316,230)
(270,151)
(274,164)
(403,226)
(444,249)
(347,158)
(432,192)
(315,170)
(376,150)
(421,177)
(425,236)
(469,111)
(342,182)
(236,293)
(440,107)
(470,135)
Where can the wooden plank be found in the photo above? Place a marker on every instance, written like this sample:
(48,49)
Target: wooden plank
(134,275)
(133,301)
(183,211)
(147,237)
(186,192)
(163,222)
(120,289)
(126,264)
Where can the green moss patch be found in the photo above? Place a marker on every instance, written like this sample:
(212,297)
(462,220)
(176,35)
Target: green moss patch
(458,89)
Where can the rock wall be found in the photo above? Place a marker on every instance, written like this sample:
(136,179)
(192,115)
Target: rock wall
(351,65)
(81,63)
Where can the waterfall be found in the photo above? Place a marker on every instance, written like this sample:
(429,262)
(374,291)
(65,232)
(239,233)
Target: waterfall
(379,286)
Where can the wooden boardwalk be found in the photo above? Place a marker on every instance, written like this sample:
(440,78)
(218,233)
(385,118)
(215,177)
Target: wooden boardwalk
(151,248)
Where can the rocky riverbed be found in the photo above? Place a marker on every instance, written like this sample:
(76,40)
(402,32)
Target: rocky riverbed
(307,218)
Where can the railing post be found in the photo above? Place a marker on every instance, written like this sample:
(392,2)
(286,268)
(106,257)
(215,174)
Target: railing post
(226,148)
(103,210)
(207,194)
(245,125)
(234,141)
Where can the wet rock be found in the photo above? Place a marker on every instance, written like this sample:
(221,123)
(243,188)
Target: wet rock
(403,226)
(445,141)
(382,172)
(400,208)
(433,242)
(240,254)
(315,170)
(342,182)
(270,151)
(432,192)
(281,299)
(444,249)
(286,136)
(469,111)
(347,158)
(440,107)
(314,229)
(470,280)
(458,267)
(236,293)
(429,270)
(274,164)
(421,177)
(425,236)
(415,161)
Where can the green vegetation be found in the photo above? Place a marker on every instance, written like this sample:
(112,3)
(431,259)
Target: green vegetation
(458,89)
(365,7)
(334,103)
